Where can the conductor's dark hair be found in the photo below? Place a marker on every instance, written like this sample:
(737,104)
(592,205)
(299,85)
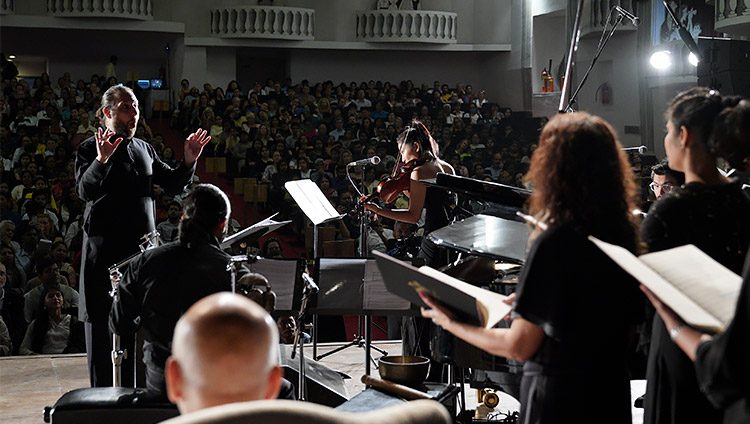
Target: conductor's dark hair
(662,168)
(108,100)
(582,177)
(203,210)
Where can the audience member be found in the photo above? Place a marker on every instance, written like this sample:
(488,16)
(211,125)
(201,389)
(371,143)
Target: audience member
(224,350)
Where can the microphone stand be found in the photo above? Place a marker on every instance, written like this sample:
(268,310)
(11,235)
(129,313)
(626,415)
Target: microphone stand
(602,43)
(563,108)
(307,292)
(150,241)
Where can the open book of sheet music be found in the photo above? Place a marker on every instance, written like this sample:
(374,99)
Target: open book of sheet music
(255,231)
(470,304)
(697,288)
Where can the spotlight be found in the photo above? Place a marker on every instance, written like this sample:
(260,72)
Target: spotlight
(693,59)
(661,59)
(11,57)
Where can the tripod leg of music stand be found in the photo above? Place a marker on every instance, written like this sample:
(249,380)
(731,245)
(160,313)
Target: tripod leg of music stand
(315,337)
(367,344)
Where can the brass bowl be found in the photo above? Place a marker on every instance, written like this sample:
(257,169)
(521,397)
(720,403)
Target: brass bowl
(407,370)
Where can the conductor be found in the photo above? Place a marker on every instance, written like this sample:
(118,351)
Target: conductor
(115,176)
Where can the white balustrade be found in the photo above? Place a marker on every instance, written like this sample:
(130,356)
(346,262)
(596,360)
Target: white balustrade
(421,26)
(119,9)
(6,7)
(732,16)
(286,23)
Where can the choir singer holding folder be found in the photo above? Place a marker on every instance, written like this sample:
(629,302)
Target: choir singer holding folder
(583,186)
(722,362)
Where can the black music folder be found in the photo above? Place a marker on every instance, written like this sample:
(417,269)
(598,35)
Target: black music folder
(468,303)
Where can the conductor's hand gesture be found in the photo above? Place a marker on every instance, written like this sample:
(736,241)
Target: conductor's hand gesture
(105,149)
(194,145)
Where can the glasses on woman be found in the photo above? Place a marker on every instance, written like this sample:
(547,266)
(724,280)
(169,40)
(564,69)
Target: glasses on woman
(665,188)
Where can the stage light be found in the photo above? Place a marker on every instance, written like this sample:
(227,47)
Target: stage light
(693,59)
(661,59)
(11,57)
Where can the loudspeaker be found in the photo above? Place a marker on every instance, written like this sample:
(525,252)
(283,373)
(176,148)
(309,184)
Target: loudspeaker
(728,82)
(725,65)
(111,405)
(325,386)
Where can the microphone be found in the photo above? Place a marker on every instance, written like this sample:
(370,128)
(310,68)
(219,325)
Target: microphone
(364,162)
(641,149)
(310,283)
(631,17)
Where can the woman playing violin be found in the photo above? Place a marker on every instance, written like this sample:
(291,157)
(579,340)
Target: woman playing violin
(419,151)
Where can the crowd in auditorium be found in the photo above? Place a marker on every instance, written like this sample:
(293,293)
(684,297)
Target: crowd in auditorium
(273,132)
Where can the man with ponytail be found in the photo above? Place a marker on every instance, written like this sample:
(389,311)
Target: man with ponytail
(162,284)
(115,176)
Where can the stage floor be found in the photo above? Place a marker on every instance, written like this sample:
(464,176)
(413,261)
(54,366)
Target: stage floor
(29,383)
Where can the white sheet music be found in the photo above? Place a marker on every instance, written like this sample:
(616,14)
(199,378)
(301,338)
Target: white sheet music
(689,297)
(376,296)
(700,277)
(312,201)
(281,274)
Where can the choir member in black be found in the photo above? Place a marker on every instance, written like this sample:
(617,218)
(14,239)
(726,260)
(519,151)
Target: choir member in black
(161,284)
(115,176)
(416,144)
(710,212)
(583,186)
(722,361)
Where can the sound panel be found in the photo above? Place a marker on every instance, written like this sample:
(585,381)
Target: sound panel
(725,65)
(728,82)
(325,386)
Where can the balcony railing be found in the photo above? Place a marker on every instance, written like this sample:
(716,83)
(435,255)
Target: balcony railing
(421,26)
(285,23)
(732,16)
(6,7)
(119,9)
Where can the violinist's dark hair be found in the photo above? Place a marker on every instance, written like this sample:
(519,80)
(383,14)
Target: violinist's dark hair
(729,139)
(582,177)
(203,210)
(698,110)
(416,132)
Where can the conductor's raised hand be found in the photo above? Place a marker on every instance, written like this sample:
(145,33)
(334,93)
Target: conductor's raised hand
(439,315)
(104,148)
(194,145)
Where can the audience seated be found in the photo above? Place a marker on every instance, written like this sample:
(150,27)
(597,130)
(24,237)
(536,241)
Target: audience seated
(224,350)
(53,331)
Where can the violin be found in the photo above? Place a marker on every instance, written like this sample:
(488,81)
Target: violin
(390,187)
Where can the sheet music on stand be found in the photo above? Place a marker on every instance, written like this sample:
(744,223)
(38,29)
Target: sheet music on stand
(254,231)
(312,201)
(354,286)
(284,276)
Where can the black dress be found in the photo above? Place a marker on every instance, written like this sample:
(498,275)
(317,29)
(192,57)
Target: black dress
(567,286)
(716,219)
(437,204)
(722,365)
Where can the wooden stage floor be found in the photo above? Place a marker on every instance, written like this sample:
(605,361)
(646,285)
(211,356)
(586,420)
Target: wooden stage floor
(29,383)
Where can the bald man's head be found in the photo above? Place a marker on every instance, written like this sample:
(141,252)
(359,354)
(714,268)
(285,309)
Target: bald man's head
(224,350)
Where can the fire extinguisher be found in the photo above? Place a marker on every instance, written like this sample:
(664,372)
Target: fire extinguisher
(606,92)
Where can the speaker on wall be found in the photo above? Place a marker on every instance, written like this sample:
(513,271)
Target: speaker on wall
(725,65)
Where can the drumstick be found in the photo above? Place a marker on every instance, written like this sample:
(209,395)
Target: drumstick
(394,389)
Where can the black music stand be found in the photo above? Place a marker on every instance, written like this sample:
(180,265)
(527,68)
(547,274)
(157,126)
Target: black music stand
(354,286)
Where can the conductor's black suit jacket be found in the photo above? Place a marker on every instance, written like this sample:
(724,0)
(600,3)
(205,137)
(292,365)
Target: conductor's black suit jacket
(119,211)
